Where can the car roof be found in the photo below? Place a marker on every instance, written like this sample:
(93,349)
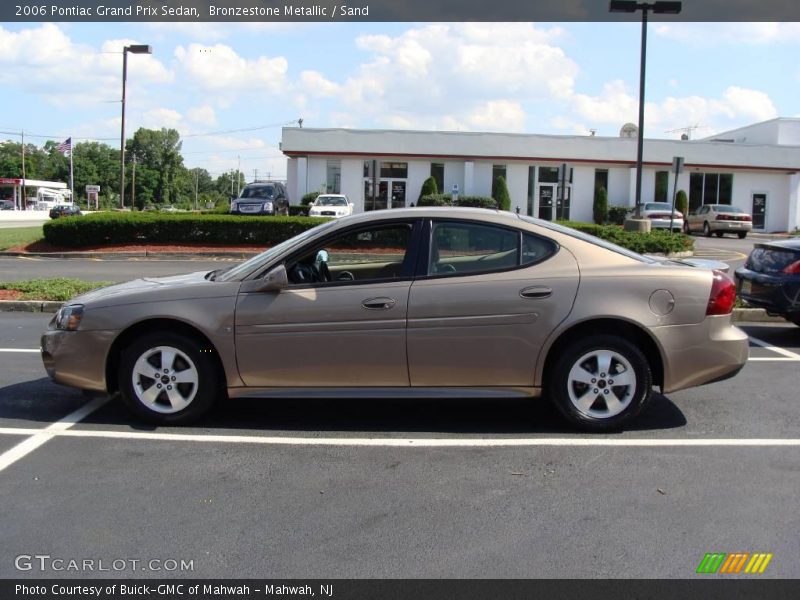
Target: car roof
(480,214)
(790,244)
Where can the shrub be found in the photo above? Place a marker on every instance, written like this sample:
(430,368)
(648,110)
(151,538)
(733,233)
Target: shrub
(309,198)
(500,193)
(682,203)
(658,241)
(600,205)
(149,227)
(447,200)
(616,214)
(429,188)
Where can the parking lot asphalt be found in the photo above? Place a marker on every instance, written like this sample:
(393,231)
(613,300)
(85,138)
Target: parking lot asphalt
(423,488)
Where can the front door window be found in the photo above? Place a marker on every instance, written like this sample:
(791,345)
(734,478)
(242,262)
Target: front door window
(547,194)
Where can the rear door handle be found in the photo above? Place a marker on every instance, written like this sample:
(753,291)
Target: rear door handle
(536,291)
(378,303)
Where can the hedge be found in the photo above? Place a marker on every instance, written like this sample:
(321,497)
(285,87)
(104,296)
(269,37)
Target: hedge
(146,227)
(447,200)
(657,241)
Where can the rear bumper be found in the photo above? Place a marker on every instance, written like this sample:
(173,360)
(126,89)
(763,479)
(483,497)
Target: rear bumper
(731,226)
(775,295)
(664,223)
(705,352)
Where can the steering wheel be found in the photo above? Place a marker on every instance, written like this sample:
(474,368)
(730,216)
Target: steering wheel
(445,268)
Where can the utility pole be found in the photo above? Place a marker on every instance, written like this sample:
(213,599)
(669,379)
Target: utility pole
(24,202)
(238,177)
(196,174)
(133,183)
(255,175)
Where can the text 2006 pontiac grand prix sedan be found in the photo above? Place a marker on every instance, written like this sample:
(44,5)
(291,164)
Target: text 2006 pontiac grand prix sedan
(408,302)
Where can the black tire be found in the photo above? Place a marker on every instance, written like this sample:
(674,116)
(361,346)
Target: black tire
(742,234)
(718,233)
(706,229)
(191,360)
(686,229)
(584,356)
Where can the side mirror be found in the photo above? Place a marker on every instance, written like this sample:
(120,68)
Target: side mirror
(322,256)
(274,281)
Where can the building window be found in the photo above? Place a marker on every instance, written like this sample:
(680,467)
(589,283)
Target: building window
(548,174)
(710,188)
(333,183)
(531,190)
(601,179)
(498,171)
(437,172)
(394,170)
(662,186)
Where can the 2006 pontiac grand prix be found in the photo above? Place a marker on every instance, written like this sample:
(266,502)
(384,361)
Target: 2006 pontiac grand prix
(408,302)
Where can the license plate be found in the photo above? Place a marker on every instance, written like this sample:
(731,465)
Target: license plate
(747,287)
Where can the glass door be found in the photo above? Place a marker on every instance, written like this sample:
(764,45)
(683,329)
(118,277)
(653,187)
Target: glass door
(547,193)
(759,211)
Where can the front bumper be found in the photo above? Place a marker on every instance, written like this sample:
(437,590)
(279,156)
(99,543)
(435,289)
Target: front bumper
(701,353)
(77,358)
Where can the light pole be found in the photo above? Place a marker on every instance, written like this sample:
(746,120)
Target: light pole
(630,6)
(133,49)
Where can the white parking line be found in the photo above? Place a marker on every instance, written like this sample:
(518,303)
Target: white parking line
(40,436)
(23,350)
(411,442)
(776,349)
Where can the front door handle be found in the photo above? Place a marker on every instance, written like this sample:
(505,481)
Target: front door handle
(378,303)
(536,291)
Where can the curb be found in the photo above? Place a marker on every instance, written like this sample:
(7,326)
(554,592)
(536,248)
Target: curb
(752,315)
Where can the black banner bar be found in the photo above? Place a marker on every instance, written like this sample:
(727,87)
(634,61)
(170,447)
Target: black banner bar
(382,10)
(713,588)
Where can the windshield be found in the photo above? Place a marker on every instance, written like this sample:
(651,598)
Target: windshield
(330,201)
(252,265)
(587,238)
(261,191)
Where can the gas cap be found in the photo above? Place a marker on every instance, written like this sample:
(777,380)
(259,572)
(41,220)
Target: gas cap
(662,302)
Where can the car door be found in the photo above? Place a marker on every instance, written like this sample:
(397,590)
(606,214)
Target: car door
(342,320)
(483,305)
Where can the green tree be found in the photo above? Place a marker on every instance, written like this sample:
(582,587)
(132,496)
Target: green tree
(94,163)
(428,187)
(159,151)
(226,183)
(600,205)
(682,203)
(500,193)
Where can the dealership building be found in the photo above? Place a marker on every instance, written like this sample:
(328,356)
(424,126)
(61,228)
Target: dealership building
(756,168)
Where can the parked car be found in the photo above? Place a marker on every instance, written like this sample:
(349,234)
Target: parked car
(660,215)
(719,219)
(6,205)
(168,208)
(331,205)
(408,302)
(770,279)
(263,198)
(65,210)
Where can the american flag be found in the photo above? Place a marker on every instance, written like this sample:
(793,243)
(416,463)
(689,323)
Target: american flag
(65,146)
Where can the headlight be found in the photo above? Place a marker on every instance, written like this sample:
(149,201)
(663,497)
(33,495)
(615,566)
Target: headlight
(68,318)
(234,206)
(268,206)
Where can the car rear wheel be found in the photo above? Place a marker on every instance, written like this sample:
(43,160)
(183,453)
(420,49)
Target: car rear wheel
(718,233)
(600,382)
(706,229)
(168,378)
(686,229)
(742,234)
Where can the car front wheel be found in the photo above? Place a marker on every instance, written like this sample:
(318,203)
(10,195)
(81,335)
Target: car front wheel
(167,378)
(600,382)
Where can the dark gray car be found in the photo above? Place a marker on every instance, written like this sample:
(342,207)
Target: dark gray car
(262,198)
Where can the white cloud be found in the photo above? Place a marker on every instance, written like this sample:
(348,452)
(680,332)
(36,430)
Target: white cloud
(204,115)
(220,68)
(498,115)
(157,118)
(315,84)
(43,60)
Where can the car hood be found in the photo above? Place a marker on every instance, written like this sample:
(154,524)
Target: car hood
(150,289)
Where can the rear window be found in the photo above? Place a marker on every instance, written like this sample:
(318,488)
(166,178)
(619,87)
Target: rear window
(724,208)
(261,191)
(771,260)
(658,206)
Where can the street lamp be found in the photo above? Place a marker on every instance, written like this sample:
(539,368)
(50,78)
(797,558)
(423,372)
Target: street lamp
(626,6)
(133,49)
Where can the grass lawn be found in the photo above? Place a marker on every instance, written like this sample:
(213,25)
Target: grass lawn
(59,289)
(19,236)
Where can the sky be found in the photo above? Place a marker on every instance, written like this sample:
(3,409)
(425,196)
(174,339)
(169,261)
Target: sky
(229,88)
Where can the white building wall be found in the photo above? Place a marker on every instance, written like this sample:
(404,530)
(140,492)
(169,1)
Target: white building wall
(352,184)
(453,175)
(317,176)
(482,180)
(794,202)
(517,182)
(620,186)
(580,208)
(776,189)
(418,172)
(291,181)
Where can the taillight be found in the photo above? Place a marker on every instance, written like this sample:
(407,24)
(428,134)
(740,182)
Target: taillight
(746,218)
(723,295)
(792,269)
